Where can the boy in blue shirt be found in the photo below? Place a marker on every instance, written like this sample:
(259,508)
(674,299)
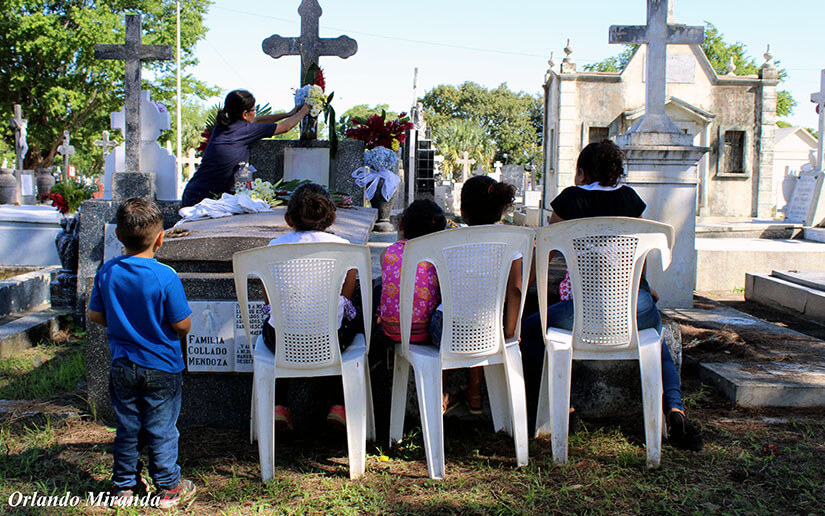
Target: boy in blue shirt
(144,309)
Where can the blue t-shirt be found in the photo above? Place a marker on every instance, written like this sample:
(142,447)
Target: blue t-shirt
(140,298)
(227,147)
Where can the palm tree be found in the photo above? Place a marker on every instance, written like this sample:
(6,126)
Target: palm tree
(458,136)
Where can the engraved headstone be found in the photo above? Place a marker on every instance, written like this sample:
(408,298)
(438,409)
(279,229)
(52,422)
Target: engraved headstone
(806,205)
(514,175)
(217,340)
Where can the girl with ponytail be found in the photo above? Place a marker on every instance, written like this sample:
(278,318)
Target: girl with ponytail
(236,129)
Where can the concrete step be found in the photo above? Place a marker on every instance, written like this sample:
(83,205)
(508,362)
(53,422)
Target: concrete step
(22,331)
(790,291)
(721,263)
(23,292)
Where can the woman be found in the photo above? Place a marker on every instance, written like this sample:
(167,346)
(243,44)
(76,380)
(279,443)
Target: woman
(236,129)
(598,194)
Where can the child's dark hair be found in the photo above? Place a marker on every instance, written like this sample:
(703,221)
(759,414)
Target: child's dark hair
(483,200)
(234,105)
(603,162)
(311,208)
(422,217)
(138,222)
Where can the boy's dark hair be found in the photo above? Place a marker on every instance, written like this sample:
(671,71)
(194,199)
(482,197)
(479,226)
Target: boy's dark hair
(422,217)
(603,162)
(138,222)
(311,208)
(483,200)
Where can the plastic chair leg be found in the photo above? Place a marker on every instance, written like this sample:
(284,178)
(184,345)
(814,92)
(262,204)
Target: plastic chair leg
(370,405)
(398,403)
(561,363)
(651,372)
(428,385)
(264,388)
(355,403)
(544,413)
(496,380)
(517,402)
(252,434)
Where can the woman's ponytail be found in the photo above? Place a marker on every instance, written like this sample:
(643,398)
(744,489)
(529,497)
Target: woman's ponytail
(234,106)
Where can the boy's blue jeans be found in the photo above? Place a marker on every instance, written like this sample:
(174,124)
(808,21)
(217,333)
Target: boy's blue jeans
(147,405)
(560,315)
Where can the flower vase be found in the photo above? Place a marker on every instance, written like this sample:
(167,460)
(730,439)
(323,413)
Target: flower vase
(8,186)
(45,182)
(384,207)
(309,128)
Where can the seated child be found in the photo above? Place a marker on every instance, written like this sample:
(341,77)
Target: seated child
(143,306)
(309,213)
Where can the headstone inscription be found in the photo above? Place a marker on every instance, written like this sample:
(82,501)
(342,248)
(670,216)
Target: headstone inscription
(806,200)
(133,52)
(217,341)
(66,150)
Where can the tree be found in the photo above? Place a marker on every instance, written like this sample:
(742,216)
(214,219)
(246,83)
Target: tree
(48,65)
(719,54)
(361,112)
(513,121)
(457,136)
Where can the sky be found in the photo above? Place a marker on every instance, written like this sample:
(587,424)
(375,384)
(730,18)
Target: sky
(452,41)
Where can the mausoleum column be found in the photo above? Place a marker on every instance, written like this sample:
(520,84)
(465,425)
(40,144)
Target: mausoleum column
(765,138)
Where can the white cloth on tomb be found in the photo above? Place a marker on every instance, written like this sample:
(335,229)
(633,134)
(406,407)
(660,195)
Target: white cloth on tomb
(226,206)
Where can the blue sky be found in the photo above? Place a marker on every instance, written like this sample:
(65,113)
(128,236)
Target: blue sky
(452,41)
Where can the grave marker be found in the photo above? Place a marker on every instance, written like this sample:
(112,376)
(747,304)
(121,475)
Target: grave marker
(465,163)
(21,147)
(217,341)
(819,99)
(106,144)
(133,52)
(66,150)
(805,206)
(191,162)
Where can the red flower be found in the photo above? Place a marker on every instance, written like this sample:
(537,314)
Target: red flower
(59,202)
(377,132)
(319,79)
(206,134)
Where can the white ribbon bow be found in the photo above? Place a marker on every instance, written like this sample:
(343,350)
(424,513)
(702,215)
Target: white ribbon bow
(367,178)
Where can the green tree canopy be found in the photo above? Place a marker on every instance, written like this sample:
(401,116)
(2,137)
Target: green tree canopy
(457,136)
(48,66)
(719,54)
(513,121)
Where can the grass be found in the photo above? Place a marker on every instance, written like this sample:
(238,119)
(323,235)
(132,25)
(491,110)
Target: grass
(42,372)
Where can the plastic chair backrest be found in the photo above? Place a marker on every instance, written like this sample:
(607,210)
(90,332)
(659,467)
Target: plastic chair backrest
(605,257)
(303,283)
(473,265)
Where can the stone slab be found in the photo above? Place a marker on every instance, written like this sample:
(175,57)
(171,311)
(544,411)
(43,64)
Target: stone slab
(810,279)
(779,292)
(814,234)
(267,156)
(708,227)
(25,291)
(777,384)
(19,333)
(27,235)
(30,214)
(721,263)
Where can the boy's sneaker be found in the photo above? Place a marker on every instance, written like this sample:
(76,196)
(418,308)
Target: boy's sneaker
(128,497)
(182,493)
(682,434)
(283,418)
(337,417)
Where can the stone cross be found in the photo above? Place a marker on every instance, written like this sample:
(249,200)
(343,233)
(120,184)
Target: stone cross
(66,150)
(133,52)
(106,143)
(657,34)
(20,146)
(309,45)
(191,162)
(465,162)
(819,99)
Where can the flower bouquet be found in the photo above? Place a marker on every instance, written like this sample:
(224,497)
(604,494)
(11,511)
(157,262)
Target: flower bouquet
(279,193)
(382,139)
(312,93)
(67,195)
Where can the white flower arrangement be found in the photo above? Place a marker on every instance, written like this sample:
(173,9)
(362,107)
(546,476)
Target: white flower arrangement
(261,190)
(380,158)
(313,95)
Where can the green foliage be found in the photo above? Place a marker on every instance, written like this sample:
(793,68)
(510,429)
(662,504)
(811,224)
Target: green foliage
(513,121)
(458,136)
(47,58)
(73,193)
(45,372)
(361,112)
(719,54)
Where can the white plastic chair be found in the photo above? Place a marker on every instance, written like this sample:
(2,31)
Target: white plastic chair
(303,283)
(473,265)
(605,257)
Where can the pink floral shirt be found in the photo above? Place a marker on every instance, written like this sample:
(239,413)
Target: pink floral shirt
(427,296)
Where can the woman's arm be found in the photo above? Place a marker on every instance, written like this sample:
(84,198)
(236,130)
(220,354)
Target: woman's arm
(268,119)
(291,121)
(512,299)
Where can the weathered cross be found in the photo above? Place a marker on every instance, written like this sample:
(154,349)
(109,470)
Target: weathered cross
(106,143)
(465,162)
(190,162)
(309,45)
(819,99)
(65,150)
(133,52)
(20,146)
(657,34)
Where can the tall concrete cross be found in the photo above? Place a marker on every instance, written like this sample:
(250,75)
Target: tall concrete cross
(309,45)
(465,162)
(106,144)
(21,147)
(657,35)
(133,52)
(819,98)
(66,150)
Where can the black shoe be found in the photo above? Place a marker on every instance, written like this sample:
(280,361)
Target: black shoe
(181,494)
(682,434)
(128,497)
